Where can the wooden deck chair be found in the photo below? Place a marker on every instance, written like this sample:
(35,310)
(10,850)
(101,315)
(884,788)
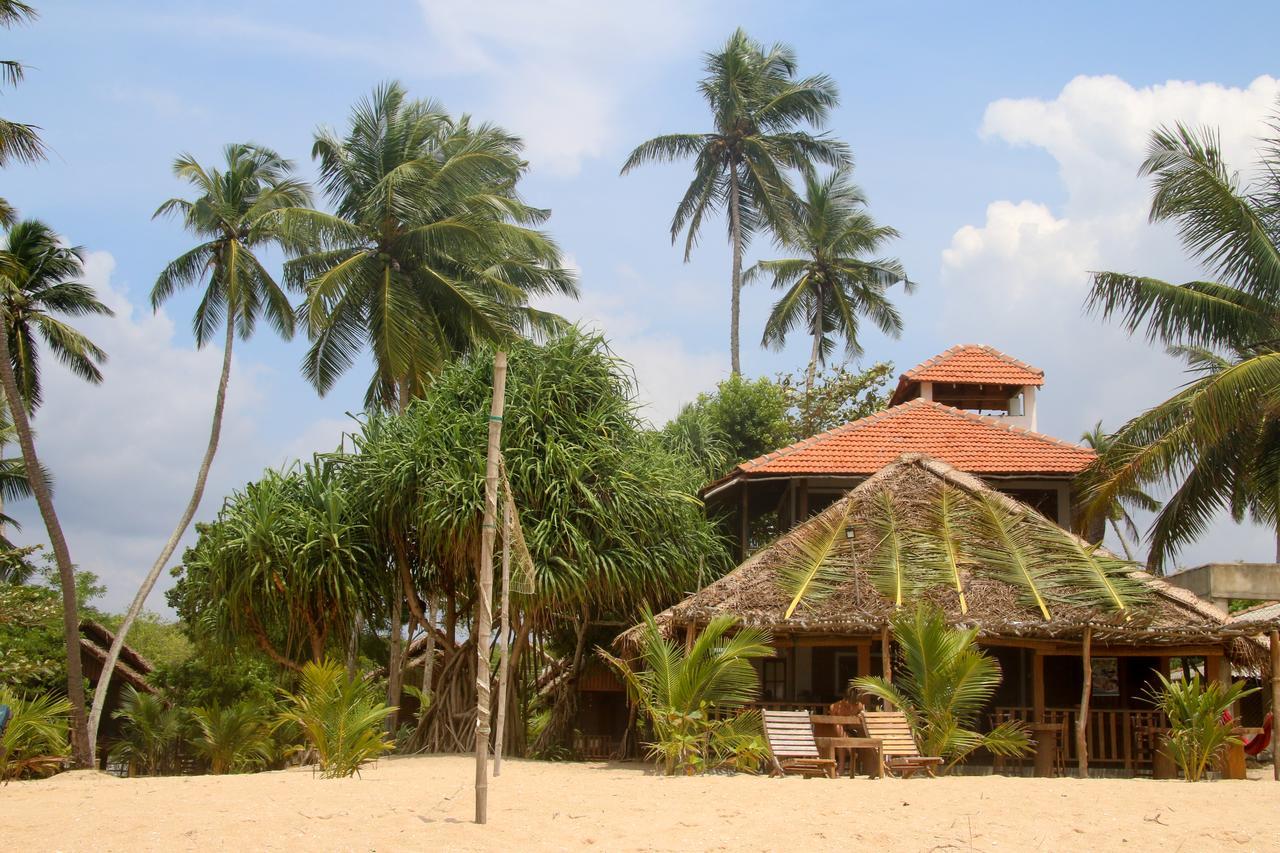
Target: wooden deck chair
(901,755)
(791,743)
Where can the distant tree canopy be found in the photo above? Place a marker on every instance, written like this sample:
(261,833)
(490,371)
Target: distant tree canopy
(745,418)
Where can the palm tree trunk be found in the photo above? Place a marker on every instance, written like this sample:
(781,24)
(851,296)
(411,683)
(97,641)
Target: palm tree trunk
(1128,555)
(735,304)
(82,751)
(484,586)
(202,477)
(814,355)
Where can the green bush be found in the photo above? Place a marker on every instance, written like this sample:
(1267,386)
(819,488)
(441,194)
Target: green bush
(1198,734)
(341,718)
(235,739)
(150,733)
(35,741)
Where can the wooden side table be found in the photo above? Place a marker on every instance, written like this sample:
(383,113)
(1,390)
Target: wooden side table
(867,750)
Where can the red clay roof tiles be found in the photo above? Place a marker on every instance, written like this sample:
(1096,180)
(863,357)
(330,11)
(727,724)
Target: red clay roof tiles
(976,364)
(970,442)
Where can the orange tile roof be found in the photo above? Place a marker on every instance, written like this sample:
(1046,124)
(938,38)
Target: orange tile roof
(967,441)
(977,364)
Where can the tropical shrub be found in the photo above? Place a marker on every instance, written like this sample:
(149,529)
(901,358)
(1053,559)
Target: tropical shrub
(234,739)
(340,718)
(35,740)
(694,698)
(150,732)
(1198,732)
(943,683)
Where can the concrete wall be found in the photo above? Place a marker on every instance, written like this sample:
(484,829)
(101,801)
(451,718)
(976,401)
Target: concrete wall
(1222,582)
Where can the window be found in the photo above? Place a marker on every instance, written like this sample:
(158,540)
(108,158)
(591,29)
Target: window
(773,679)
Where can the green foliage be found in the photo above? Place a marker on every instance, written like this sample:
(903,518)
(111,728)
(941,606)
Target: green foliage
(694,698)
(340,717)
(16,565)
(216,676)
(162,642)
(1215,443)
(35,743)
(32,646)
(89,587)
(430,250)
(150,733)
(943,683)
(1198,734)
(234,739)
(746,418)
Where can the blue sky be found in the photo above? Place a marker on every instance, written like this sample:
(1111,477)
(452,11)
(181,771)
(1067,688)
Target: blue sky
(1002,140)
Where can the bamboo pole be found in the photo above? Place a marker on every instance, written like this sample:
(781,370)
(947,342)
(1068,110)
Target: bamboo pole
(504,637)
(1082,721)
(1275,700)
(484,600)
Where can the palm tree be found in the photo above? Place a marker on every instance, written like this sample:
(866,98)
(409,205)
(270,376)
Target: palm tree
(234,213)
(18,142)
(693,696)
(232,739)
(944,684)
(831,284)
(1118,514)
(1216,442)
(37,277)
(430,249)
(757,105)
(149,733)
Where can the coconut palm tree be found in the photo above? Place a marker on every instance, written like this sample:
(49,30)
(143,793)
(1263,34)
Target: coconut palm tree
(944,684)
(1216,442)
(831,283)
(757,107)
(429,250)
(234,214)
(149,733)
(1118,515)
(37,281)
(18,142)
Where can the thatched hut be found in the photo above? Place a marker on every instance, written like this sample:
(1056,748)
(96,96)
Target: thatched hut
(1042,643)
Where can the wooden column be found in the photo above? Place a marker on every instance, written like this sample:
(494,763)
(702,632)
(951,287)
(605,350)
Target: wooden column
(1275,700)
(744,523)
(864,659)
(690,635)
(886,660)
(1082,721)
(804,501)
(1037,687)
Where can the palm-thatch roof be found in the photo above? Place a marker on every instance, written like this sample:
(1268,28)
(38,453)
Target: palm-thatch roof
(95,644)
(855,586)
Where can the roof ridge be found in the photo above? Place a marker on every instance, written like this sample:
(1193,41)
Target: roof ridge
(956,349)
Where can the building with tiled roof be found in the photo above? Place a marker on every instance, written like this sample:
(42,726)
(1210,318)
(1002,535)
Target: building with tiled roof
(971,406)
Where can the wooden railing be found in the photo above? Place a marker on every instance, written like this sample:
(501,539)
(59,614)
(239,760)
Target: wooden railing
(595,747)
(1118,736)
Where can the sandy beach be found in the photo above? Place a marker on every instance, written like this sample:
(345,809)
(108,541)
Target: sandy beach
(418,803)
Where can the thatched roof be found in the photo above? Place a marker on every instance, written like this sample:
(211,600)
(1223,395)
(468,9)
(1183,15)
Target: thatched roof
(131,667)
(753,593)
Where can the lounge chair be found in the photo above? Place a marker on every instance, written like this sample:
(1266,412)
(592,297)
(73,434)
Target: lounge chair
(901,755)
(794,751)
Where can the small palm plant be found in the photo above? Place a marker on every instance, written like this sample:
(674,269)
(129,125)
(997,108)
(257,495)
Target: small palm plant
(234,739)
(150,732)
(694,698)
(1198,731)
(943,684)
(340,717)
(35,739)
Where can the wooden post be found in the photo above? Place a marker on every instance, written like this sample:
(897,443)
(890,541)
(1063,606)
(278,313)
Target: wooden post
(504,637)
(1275,699)
(804,501)
(864,660)
(1082,721)
(1037,687)
(484,597)
(886,660)
(744,522)
(690,635)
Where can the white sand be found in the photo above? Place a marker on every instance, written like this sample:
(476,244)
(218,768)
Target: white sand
(426,803)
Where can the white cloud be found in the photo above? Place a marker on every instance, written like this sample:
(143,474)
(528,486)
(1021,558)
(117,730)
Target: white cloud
(668,374)
(1018,280)
(556,72)
(123,454)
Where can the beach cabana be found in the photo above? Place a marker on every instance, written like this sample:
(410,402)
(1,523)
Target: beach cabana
(1045,647)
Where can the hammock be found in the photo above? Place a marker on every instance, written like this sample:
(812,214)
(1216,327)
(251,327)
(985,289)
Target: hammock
(1260,741)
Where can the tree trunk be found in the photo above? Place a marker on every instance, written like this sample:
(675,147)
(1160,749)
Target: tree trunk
(735,235)
(1115,527)
(81,748)
(504,638)
(353,645)
(148,583)
(1082,721)
(394,669)
(814,354)
(484,586)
